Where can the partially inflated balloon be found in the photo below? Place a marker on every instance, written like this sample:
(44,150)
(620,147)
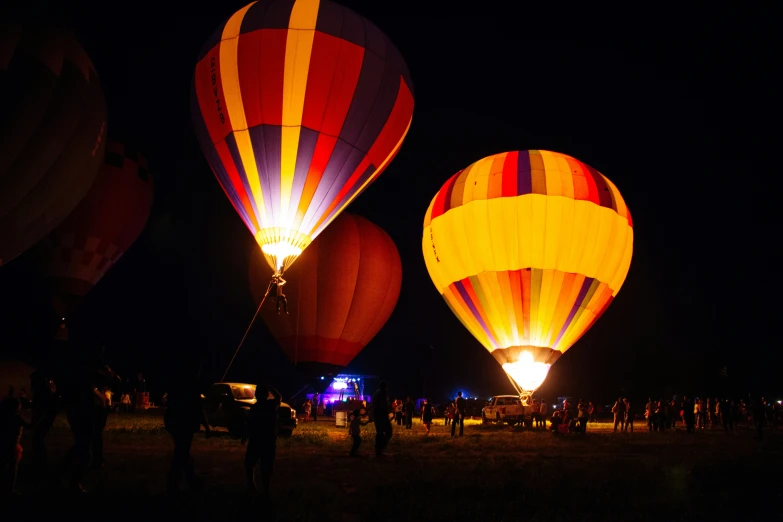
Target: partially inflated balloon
(528,249)
(298,106)
(104,225)
(53,126)
(341,292)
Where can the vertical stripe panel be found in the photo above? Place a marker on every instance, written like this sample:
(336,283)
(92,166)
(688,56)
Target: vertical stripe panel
(266,150)
(524,181)
(383,150)
(510,168)
(272,74)
(537,173)
(298,50)
(249,54)
(323,151)
(229,74)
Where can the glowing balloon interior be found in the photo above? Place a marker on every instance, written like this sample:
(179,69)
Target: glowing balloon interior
(298,107)
(528,249)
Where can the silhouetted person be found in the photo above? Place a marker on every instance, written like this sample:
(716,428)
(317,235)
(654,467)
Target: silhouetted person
(649,413)
(582,416)
(277,285)
(459,415)
(730,415)
(316,402)
(261,436)
(619,414)
(183,418)
(80,397)
(11,425)
(689,415)
(105,377)
(409,409)
(555,422)
(758,416)
(355,431)
(46,401)
(426,415)
(629,415)
(380,414)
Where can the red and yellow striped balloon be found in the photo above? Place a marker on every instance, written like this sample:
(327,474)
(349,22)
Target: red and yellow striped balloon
(298,105)
(528,249)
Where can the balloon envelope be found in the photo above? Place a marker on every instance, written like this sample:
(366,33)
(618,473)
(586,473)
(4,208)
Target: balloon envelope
(53,128)
(15,373)
(102,227)
(528,249)
(298,107)
(340,293)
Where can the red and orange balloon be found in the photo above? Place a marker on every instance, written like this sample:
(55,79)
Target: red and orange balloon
(105,224)
(341,292)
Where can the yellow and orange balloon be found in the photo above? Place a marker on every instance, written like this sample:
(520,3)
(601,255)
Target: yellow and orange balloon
(528,248)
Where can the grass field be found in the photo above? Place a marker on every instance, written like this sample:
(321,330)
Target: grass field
(493,473)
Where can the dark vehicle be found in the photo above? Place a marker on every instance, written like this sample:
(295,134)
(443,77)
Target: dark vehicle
(226,405)
(473,407)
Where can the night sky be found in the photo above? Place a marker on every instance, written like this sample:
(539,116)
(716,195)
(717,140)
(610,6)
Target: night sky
(676,108)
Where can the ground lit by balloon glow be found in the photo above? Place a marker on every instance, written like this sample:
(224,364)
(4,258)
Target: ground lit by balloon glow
(527,373)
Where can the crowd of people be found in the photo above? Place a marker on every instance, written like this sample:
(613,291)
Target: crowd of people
(85,391)
(698,414)
(82,388)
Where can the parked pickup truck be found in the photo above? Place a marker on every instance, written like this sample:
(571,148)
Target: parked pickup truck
(505,408)
(227,404)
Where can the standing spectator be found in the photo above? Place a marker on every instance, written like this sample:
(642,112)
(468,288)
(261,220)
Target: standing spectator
(426,415)
(261,437)
(459,415)
(46,402)
(409,407)
(315,406)
(619,414)
(380,413)
(581,408)
(125,402)
(629,414)
(542,413)
(11,426)
(183,418)
(398,411)
(355,430)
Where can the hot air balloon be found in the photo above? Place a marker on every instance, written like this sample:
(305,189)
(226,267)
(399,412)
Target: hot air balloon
(343,290)
(15,376)
(79,252)
(528,249)
(298,107)
(53,132)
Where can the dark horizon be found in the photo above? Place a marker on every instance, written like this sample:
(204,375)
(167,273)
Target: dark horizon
(673,109)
